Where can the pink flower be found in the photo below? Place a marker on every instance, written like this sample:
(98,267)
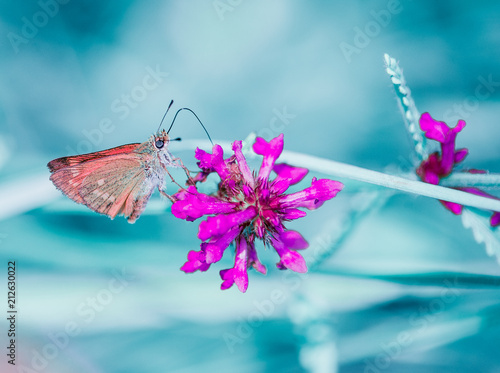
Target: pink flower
(440,165)
(249,206)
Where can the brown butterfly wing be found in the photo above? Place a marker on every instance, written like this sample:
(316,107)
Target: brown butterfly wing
(69,179)
(62,162)
(118,187)
(110,185)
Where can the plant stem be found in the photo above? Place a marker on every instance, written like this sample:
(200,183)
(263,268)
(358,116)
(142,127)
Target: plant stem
(406,105)
(464,179)
(339,169)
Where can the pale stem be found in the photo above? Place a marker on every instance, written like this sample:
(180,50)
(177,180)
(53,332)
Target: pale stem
(464,179)
(339,169)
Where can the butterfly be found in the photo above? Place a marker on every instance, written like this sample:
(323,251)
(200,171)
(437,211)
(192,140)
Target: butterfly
(118,180)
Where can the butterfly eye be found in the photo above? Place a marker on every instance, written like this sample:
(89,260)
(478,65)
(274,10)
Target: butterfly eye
(159,144)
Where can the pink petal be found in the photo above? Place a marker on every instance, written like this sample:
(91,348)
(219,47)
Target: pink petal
(242,163)
(279,186)
(289,259)
(204,158)
(271,217)
(459,127)
(477,192)
(253,260)
(292,214)
(287,175)
(249,192)
(319,191)
(259,228)
(453,207)
(219,224)
(447,160)
(271,151)
(433,129)
(293,174)
(495,219)
(313,204)
(460,155)
(293,240)
(474,171)
(218,162)
(431,178)
(201,177)
(216,247)
(440,132)
(196,261)
(213,162)
(192,205)
(238,274)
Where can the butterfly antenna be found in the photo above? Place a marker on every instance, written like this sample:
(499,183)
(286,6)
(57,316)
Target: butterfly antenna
(164,115)
(192,112)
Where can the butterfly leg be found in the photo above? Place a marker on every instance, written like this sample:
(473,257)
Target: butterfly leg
(172,199)
(162,186)
(190,180)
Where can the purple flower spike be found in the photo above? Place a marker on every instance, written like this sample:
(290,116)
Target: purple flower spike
(440,165)
(247,207)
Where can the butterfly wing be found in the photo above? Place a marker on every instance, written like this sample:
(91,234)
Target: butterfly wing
(62,162)
(110,185)
(118,187)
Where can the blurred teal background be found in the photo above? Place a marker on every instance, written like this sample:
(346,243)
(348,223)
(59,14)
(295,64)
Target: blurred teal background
(397,284)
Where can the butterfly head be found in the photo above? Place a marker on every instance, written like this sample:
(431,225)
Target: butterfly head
(160,140)
(159,145)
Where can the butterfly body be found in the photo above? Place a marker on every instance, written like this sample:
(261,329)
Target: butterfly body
(116,181)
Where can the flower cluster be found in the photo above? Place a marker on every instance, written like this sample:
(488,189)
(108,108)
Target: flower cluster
(249,206)
(440,165)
